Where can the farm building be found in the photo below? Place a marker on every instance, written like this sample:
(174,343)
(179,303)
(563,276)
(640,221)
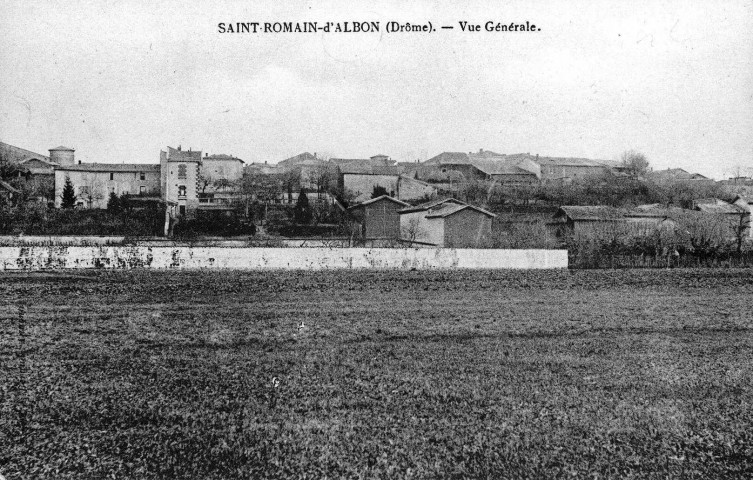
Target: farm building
(582,219)
(379,217)
(446,223)
(735,215)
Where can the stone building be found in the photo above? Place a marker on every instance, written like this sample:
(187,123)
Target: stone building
(179,178)
(93,182)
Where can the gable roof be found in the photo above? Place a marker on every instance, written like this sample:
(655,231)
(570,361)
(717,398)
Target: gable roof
(499,167)
(453,158)
(296,159)
(748,200)
(447,209)
(178,155)
(379,199)
(111,167)
(431,204)
(675,174)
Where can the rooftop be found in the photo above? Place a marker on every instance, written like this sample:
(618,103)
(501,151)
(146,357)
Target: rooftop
(590,213)
(447,209)
(111,167)
(379,199)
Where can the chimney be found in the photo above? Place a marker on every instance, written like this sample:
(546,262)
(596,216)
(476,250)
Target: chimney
(206,154)
(480,151)
(179,148)
(79,162)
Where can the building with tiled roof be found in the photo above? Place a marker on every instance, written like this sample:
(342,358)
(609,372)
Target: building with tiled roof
(94,182)
(446,223)
(378,217)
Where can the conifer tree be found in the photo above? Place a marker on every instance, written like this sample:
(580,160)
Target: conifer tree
(69,194)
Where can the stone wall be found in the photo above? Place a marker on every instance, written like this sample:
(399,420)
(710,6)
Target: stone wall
(108,257)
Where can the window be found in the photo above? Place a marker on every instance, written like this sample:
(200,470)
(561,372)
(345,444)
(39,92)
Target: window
(142,176)
(182,170)
(84,190)
(142,189)
(112,176)
(182,191)
(182,209)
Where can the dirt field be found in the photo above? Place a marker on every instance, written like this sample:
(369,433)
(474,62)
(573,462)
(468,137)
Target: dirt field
(392,374)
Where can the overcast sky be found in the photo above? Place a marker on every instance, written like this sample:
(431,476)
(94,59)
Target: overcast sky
(120,80)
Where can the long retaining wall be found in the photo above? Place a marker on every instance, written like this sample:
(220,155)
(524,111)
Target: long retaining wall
(107,257)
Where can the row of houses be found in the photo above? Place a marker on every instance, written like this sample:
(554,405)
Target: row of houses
(735,216)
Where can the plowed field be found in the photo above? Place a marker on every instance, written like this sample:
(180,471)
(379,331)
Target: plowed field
(643,374)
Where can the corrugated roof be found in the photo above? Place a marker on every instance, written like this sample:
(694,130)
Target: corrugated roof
(111,167)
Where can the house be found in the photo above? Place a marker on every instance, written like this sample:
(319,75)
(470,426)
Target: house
(506,171)
(446,223)
(93,182)
(379,217)
(582,219)
(361,179)
(258,168)
(563,168)
(314,173)
(180,171)
(221,167)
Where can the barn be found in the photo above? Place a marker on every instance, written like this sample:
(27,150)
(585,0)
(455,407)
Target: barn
(379,217)
(446,223)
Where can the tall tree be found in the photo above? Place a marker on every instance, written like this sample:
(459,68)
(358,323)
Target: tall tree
(69,194)
(302,213)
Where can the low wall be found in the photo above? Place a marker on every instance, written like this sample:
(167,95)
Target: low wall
(61,257)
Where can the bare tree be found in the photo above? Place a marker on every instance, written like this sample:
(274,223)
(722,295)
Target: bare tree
(634,162)
(411,231)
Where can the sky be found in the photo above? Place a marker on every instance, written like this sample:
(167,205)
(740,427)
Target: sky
(121,80)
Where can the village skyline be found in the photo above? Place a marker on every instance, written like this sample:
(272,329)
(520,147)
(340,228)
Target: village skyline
(669,80)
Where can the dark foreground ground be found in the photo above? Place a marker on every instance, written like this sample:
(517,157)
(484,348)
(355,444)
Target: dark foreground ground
(394,374)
